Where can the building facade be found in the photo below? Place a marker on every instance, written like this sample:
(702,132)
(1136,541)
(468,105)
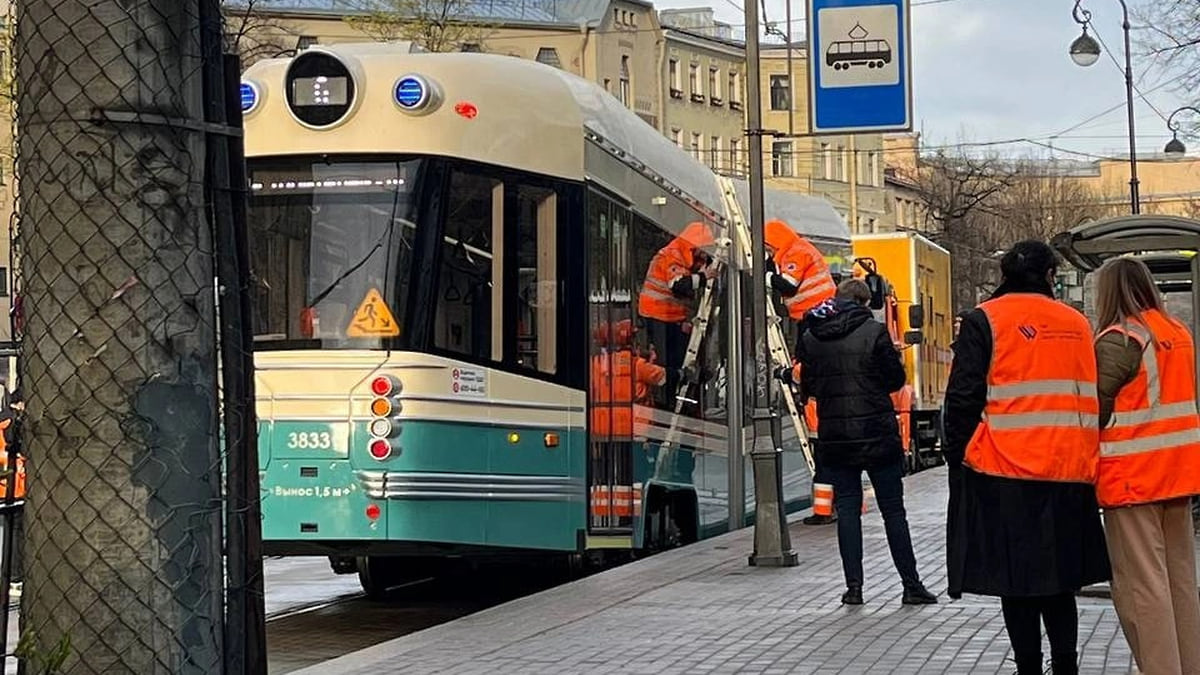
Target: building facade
(703,83)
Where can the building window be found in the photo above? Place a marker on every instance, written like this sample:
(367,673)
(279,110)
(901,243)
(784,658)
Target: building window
(470,47)
(873,167)
(549,56)
(781,93)
(305,41)
(735,156)
(714,85)
(677,136)
(625,94)
(675,78)
(697,147)
(847,164)
(4,282)
(839,170)
(714,152)
(735,90)
(608,85)
(694,82)
(781,159)
(826,162)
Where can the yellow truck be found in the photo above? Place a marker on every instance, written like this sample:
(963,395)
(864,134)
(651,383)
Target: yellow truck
(911,279)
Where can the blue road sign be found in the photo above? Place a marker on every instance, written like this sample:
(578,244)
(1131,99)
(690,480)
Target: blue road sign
(860,66)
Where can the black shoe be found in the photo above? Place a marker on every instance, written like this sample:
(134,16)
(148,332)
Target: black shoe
(852,596)
(820,520)
(917,595)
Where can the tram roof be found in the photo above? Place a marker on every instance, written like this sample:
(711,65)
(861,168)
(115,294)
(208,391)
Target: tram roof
(563,101)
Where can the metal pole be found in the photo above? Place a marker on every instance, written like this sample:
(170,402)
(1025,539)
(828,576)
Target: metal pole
(772,543)
(791,76)
(853,185)
(1135,201)
(735,405)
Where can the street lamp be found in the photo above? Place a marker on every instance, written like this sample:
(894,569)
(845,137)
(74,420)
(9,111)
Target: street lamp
(1175,147)
(1085,51)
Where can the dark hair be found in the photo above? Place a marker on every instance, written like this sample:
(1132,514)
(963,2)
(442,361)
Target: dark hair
(854,290)
(963,314)
(1027,262)
(16,396)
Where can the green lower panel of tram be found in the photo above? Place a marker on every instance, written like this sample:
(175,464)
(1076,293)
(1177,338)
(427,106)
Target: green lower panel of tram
(444,483)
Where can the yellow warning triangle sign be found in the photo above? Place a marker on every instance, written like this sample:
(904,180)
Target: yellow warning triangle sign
(373,318)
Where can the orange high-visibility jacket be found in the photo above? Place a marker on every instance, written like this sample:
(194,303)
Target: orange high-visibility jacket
(672,262)
(1041,421)
(620,379)
(802,265)
(19,485)
(1150,450)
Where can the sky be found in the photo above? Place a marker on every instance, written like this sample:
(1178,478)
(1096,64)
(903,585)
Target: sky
(994,70)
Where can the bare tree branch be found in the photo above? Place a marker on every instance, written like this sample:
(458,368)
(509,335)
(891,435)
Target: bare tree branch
(433,25)
(253,33)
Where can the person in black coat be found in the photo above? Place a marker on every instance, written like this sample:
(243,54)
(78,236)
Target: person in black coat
(1032,543)
(850,366)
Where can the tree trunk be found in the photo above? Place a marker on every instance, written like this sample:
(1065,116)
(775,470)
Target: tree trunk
(118,348)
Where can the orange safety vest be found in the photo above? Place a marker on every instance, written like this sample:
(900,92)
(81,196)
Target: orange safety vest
(902,402)
(19,485)
(1041,421)
(620,379)
(1150,450)
(672,262)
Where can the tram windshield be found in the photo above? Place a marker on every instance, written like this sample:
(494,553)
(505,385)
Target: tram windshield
(331,248)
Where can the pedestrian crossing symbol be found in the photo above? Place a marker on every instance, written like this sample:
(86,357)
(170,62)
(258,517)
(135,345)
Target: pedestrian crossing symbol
(373,318)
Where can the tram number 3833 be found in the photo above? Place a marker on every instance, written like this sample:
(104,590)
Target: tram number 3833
(312,439)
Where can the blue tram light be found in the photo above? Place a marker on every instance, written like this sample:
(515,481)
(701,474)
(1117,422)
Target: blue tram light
(250,97)
(414,93)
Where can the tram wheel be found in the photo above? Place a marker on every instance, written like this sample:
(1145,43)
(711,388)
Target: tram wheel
(377,575)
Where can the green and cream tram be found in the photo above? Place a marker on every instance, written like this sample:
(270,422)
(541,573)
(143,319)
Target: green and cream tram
(440,244)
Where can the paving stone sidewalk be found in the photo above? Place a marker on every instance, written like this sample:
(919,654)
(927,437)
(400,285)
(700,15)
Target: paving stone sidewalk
(701,609)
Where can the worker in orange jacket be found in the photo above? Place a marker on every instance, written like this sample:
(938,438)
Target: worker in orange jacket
(801,275)
(621,379)
(9,422)
(674,280)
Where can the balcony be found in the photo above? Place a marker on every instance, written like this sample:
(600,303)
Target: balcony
(715,100)
(676,93)
(698,98)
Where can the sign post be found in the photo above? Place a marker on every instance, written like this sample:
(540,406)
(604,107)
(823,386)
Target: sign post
(860,66)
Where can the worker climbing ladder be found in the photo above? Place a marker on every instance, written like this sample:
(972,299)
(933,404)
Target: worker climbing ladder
(776,343)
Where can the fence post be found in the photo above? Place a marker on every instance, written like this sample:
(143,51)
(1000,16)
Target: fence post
(118,350)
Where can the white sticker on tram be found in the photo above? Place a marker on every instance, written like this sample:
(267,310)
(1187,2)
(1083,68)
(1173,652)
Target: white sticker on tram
(468,382)
(316,492)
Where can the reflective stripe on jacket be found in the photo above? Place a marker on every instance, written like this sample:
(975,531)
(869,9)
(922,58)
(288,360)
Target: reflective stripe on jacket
(1150,450)
(804,266)
(1041,420)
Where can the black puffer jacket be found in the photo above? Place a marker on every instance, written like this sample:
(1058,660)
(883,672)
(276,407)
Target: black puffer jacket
(850,366)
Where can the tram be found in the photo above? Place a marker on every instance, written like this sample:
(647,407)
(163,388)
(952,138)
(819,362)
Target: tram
(447,248)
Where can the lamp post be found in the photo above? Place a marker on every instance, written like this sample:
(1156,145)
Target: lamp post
(1085,51)
(1175,147)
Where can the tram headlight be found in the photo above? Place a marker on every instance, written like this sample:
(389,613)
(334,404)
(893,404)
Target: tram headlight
(416,95)
(251,95)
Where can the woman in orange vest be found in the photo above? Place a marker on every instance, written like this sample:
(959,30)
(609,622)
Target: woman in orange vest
(1149,467)
(1023,445)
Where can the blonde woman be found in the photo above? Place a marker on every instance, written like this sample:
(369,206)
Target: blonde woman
(1149,467)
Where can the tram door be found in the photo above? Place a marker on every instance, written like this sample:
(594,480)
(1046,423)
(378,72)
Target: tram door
(612,317)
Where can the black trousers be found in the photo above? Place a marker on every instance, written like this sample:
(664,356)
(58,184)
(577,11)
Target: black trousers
(1023,617)
(889,493)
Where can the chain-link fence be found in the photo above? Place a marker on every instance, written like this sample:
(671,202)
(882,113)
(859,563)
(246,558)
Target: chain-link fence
(124,164)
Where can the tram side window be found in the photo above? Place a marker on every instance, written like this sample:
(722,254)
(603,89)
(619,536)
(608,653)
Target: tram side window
(537,279)
(470,282)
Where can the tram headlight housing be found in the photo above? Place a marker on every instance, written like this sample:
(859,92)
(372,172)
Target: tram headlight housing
(416,95)
(321,88)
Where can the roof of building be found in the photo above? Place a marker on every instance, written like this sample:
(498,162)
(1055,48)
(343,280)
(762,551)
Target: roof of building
(574,12)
